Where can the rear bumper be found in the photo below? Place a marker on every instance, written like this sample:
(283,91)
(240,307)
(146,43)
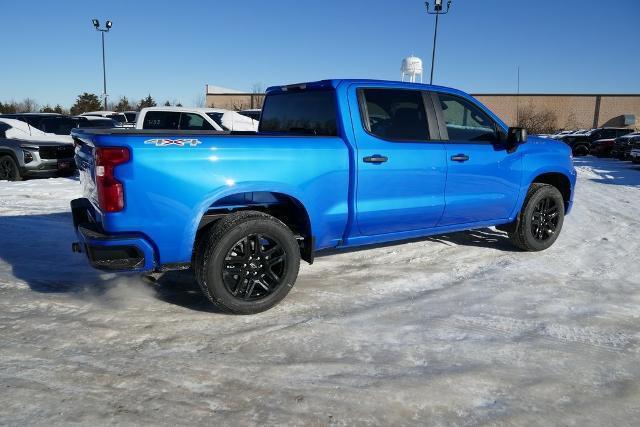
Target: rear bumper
(109,252)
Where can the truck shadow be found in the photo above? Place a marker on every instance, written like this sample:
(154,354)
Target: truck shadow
(36,250)
(483,238)
(181,289)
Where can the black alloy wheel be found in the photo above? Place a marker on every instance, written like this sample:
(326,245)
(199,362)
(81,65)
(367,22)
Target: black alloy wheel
(254,267)
(544,219)
(246,262)
(540,220)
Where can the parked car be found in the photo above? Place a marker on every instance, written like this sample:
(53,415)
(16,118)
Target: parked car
(28,152)
(635,154)
(97,122)
(62,125)
(253,113)
(118,117)
(335,165)
(622,147)
(185,118)
(561,133)
(580,143)
(602,147)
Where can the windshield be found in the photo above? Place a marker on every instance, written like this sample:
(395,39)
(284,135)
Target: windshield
(217,117)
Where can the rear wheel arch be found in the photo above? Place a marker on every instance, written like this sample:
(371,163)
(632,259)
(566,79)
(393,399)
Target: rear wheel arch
(285,207)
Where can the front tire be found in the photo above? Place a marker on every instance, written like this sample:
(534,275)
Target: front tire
(9,170)
(540,221)
(247,262)
(581,150)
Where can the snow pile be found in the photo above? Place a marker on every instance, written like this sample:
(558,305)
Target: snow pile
(455,329)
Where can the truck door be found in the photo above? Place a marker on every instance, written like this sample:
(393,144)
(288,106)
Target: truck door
(483,179)
(400,169)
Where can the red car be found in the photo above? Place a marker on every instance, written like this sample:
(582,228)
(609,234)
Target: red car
(602,147)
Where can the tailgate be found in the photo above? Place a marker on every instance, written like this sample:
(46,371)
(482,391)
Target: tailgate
(85,161)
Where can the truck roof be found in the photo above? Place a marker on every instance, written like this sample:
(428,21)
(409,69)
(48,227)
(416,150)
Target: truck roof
(334,83)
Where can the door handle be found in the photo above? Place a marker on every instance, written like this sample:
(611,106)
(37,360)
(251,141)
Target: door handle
(376,158)
(460,158)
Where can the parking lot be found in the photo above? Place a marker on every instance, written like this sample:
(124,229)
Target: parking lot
(457,329)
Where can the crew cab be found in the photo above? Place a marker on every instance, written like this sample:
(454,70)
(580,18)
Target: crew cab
(336,164)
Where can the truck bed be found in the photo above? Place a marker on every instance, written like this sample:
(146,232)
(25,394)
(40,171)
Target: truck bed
(169,188)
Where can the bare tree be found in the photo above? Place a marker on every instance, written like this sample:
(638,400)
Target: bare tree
(571,122)
(257,88)
(200,100)
(537,121)
(28,105)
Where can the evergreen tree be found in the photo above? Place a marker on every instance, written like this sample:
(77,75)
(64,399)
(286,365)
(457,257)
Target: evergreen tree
(123,105)
(86,102)
(146,102)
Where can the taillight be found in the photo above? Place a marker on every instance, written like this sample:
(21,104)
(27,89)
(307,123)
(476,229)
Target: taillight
(110,190)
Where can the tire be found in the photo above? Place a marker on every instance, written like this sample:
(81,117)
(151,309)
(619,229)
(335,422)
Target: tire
(580,150)
(9,170)
(246,262)
(529,236)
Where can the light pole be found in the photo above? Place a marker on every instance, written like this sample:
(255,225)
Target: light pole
(437,10)
(108,26)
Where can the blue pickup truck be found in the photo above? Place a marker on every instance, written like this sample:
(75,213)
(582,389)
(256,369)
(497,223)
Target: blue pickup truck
(336,164)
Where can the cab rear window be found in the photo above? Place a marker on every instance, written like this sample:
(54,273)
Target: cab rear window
(308,112)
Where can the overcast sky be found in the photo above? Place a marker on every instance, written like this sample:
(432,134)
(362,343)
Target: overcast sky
(171,49)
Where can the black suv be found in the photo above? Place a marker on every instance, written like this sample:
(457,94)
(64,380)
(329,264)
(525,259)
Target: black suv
(59,124)
(581,143)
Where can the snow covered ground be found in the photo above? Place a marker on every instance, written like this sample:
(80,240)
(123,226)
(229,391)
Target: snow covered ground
(458,329)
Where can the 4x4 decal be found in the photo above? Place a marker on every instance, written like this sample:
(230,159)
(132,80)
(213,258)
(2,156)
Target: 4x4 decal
(168,142)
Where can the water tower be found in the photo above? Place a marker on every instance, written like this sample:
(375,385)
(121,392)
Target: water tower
(411,68)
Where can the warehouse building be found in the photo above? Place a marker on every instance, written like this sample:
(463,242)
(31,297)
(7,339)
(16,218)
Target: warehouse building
(230,99)
(571,111)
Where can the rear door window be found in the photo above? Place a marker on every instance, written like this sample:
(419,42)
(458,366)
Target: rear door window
(308,112)
(395,114)
(161,120)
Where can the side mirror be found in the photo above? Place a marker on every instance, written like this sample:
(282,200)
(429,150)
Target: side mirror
(515,137)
